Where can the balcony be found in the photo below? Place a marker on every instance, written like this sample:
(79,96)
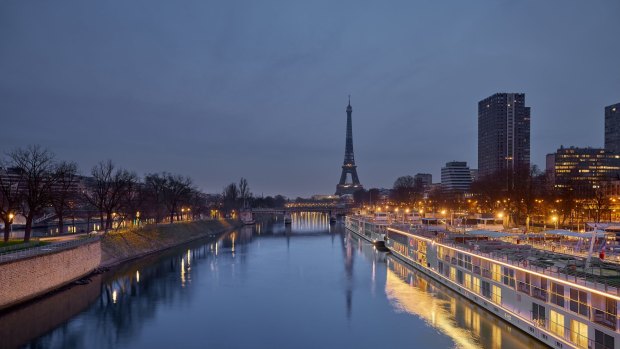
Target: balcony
(604,318)
(476,269)
(539,294)
(523,287)
(486,273)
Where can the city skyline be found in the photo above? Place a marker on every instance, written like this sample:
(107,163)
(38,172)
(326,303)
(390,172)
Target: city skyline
(164,90)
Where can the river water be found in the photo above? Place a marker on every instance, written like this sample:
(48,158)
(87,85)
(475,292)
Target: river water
(309,285)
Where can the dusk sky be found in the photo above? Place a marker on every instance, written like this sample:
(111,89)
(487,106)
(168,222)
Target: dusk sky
(258,89)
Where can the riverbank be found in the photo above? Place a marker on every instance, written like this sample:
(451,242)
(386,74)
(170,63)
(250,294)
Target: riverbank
(32,276)
(118,247)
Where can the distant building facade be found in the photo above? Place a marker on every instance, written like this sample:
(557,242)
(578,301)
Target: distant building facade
(474,174)
(456,176)
(582,168)
(503,133)
(550,168)
(425,178)
(612,128)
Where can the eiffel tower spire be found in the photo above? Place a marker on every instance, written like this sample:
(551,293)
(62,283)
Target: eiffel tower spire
(348,167)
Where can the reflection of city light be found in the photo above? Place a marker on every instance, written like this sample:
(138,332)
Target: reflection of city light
(137,276)
(415,300)
(114,296)
(189,258)
(182,272)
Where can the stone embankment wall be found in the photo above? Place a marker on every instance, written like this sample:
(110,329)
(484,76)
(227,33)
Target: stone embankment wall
(18,327)
(27,278)
(118,247)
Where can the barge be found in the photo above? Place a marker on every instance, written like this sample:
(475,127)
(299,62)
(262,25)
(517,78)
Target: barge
(557,299)
(371,229)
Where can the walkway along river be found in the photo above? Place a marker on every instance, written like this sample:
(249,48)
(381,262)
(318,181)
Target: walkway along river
(307,285)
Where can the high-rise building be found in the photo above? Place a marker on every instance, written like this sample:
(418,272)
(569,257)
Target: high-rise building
(581,168)
(349,182)
(425,178)
(612,128)
(456,176)
(503,133)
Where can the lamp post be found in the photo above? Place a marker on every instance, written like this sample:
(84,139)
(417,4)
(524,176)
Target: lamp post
(11,216)
(501,216)
(445,218)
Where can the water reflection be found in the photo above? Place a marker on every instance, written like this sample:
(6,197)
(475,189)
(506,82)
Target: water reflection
(315,222)
(468,325)
(295,286)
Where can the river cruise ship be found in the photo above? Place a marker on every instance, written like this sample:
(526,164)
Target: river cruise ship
(551,296)
(371,228)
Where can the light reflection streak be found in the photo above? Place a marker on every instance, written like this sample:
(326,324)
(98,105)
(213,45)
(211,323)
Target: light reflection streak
(415,301)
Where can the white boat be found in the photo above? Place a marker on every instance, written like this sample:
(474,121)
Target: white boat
(246,217)
(551,297)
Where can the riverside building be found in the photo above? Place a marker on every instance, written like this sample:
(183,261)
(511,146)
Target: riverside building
(503,133)
(456,176)
(612,128)
(582,168)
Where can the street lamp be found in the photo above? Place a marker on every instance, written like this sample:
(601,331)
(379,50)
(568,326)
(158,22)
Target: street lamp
(11,216)
(555,220)
(445,218)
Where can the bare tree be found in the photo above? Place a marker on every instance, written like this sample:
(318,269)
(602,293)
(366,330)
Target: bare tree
(10,198)
(177,190)
(230,196)
(403,189)
(109,189)
(244,190)
(597,201)
(35,164)
(63,193)
(155,184)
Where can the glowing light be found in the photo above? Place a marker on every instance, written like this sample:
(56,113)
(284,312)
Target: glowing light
(182,272)
(114,296)
(500,215)
(137,276)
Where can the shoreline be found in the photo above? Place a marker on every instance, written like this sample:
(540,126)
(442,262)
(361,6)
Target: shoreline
(146,245)
(118,248)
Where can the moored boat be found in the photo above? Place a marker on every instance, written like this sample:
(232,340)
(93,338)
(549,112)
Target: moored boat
(556,298)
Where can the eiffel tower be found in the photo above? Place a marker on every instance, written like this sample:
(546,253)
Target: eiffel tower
(348,167)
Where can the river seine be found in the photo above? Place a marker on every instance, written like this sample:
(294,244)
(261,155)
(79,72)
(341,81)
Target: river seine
(308,285)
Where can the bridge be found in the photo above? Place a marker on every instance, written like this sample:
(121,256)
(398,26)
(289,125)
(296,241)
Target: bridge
(331,209)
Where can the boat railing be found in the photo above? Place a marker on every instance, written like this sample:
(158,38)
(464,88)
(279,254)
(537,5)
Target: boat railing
(539,293)
(580,278)
(523,287)
(605,318)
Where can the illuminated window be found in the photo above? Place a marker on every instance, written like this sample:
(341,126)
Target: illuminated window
(556,323)
(579,333)
(477,285)
(452,273)
(468,281)
(496,272)
(496,296)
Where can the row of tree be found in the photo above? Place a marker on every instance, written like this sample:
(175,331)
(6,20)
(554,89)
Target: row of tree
(34,184)
(521,195)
